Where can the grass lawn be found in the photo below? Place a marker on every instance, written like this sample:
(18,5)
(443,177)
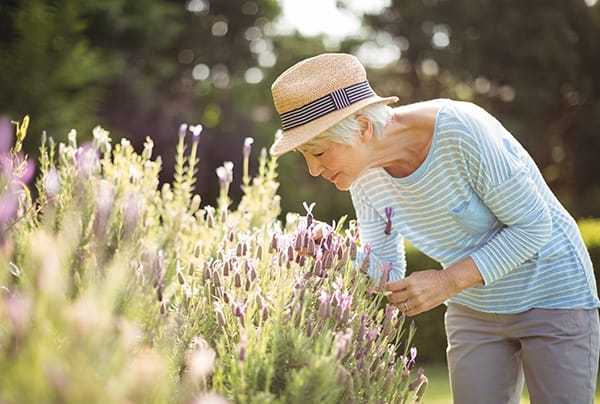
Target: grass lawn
(438,391)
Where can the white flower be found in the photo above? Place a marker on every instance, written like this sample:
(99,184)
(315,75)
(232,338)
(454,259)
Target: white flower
(196,130)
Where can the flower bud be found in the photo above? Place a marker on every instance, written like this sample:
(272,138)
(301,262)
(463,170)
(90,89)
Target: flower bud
(242,348)
(226,268)
(220,317)
(216,278)
(197,249)
(353,251)
(328,261)
(210,220)
(298,242)
(273,245)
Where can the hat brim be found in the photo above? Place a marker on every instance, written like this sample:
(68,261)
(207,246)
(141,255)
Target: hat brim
(292,138)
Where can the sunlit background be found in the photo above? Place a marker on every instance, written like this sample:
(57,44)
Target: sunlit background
(142,68)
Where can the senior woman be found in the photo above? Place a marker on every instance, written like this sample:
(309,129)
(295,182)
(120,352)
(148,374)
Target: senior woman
(517,279)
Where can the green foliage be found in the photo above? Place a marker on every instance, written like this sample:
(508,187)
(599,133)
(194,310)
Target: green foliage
(113,290)
(590,230)
(130,65)
(46,63)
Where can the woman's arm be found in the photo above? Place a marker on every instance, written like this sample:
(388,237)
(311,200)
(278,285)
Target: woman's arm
(382,248)
(424,290)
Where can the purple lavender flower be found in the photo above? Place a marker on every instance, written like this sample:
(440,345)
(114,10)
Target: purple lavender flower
(389,212)
(237,279)
(220,317)
(364,267)
(345,305)
(251,272)
(391,312)
(309,215)
(324,304)
(342,343)
(242,350)
(328,260)
(216,279)
(372,334)
(309,327)
(264,313)
(385,274)
(362,330)
(274,244)
(413,357)
(318,266)
(353,250)
(239,310)
(16,169)
(298,242)
(105,193)
(311,247)
(132,212)
(86,160)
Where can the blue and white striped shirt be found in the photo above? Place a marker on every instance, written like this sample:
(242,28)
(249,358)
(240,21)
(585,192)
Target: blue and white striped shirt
(479,194)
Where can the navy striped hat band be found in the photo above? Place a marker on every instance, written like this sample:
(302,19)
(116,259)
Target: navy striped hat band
(331,102)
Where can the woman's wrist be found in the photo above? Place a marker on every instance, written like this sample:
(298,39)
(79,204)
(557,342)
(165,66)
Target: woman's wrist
(462,275)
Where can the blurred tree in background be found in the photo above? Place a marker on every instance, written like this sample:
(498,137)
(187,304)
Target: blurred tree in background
(141,68)
(48,68)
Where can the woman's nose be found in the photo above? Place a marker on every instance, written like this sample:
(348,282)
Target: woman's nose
(314,168)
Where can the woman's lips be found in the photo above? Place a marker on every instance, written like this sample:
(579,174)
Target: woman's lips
(332,178)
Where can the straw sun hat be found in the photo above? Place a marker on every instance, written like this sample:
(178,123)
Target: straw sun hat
(317,93)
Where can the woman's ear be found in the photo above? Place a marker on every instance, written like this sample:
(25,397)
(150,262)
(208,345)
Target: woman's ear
(366,127)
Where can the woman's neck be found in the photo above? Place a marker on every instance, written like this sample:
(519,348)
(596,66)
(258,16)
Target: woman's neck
(406,140)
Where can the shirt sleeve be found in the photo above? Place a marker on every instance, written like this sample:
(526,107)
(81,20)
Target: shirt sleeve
(385,248)
(503,176)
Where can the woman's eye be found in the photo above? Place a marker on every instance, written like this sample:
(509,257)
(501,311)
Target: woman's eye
(319,154)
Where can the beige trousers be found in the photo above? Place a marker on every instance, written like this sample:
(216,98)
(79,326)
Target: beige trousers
(490,356)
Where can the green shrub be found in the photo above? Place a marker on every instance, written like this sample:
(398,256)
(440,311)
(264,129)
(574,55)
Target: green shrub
(113,290)
(590,230)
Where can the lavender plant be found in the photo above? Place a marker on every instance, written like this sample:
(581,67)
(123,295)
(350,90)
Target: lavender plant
(116,289)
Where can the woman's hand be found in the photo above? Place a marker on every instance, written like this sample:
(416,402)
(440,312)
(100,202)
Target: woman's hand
(420,291)
(426,289)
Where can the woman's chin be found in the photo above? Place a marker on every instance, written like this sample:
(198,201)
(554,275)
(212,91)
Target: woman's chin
(342,186)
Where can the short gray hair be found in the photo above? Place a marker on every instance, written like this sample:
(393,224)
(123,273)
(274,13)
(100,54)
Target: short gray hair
(345,130)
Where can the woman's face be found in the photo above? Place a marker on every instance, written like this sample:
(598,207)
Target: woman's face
(338,163)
